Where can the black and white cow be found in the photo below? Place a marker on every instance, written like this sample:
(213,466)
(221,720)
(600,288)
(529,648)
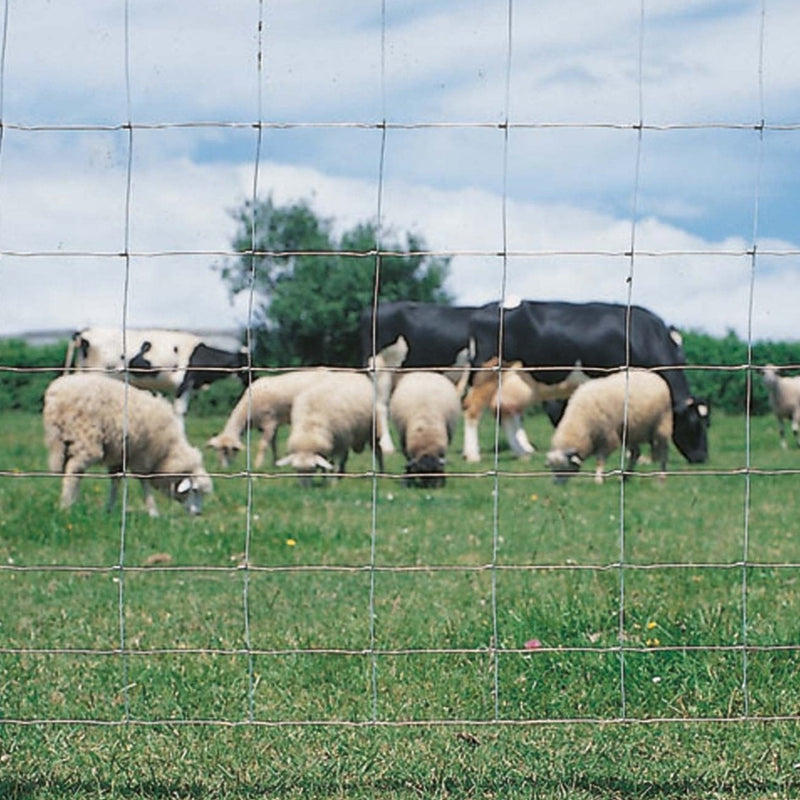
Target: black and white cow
(412,335)
(601,336)
(173,362)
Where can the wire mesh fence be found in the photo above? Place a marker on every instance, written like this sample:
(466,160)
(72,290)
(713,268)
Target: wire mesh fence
(497,600)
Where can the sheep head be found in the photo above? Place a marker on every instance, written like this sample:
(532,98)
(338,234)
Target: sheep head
(306,464)
(226,446)
(427,471)
(563,461)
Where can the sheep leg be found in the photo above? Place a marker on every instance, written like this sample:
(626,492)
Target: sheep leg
(633,457)
(149,500)
(517,438)
(796,426)
(600,469)
(70,485)
(113,488)
(782,433)
(269,437)
(660,451)
(74,467)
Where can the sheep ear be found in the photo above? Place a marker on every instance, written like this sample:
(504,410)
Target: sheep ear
(213,441)
(575,459)
(284,462)
(321,461)
(184,486)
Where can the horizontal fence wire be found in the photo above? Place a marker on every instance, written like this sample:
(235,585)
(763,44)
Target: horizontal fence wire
(248,567)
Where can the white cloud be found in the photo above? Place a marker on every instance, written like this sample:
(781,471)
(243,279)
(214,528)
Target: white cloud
(569,190)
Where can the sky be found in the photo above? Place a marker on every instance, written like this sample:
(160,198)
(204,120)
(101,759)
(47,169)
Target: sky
(100,224)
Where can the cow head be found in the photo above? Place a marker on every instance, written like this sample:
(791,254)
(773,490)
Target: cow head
(426,471)
(690,429)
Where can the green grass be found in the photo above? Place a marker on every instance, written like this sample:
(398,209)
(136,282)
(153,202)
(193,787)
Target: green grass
(190,710)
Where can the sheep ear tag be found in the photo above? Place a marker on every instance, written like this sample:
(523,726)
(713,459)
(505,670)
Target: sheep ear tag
(576,460)
(184,486)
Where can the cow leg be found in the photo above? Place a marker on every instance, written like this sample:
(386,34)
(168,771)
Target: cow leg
(472,450)
(517,438)
(181,404)
(461,381)
(383,387)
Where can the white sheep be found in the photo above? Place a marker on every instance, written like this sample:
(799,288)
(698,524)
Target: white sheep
(425,409)
(268,402)
(86,419)
(784,400)
(329,419)
(596,415)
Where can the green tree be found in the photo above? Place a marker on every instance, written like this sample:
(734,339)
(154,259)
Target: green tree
(311,285)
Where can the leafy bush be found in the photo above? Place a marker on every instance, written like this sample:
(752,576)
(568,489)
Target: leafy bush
(727,388)
(25,372)
(720,374)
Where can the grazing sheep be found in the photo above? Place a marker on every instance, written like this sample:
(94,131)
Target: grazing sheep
(425,409)
(784,400)
(329,419)
(84,422)
(519,391)
(269,404)
(595,417)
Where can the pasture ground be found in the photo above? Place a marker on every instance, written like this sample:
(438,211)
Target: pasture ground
(696,580)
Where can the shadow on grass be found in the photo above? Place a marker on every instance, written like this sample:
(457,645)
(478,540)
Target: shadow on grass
(398,787)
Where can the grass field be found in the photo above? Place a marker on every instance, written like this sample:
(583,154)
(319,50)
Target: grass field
(664,665)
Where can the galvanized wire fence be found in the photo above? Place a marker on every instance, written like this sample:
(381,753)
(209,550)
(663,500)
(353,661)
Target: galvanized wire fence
(256,658)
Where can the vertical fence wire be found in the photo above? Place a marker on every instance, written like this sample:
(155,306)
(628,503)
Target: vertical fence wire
(749,374)
(373,533)
(3,49)
(621,630)
(495,643)
(254,233)
(125,402)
